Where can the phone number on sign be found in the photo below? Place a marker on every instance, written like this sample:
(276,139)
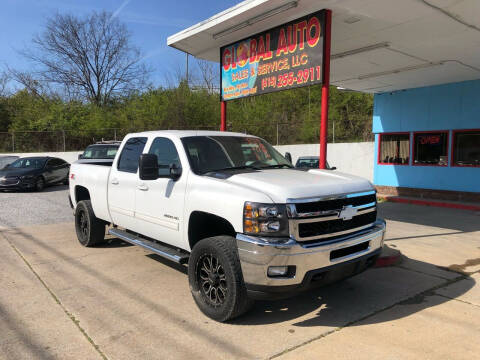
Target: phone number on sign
(289,79)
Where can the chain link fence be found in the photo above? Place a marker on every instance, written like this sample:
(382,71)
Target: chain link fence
(276,133)
(55,140)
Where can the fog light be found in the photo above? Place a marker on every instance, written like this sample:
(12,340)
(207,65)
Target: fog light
(274,271)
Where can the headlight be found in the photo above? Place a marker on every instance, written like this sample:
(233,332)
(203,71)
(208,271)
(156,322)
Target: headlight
(265,219)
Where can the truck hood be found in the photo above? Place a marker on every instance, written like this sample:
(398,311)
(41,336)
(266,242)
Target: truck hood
(283,184)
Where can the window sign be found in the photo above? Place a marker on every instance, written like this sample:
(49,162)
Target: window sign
(431,149)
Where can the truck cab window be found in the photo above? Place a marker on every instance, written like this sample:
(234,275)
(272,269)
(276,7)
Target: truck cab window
(213,153)
(130,155)
(166,153)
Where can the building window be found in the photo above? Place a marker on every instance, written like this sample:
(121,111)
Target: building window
(466,149)
(394,149)
(431,148)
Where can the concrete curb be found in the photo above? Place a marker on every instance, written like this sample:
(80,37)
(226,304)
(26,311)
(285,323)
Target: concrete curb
(436,203)
(389,257)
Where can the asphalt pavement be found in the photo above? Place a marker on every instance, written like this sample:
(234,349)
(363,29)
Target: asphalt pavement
(24,208)
(59,300)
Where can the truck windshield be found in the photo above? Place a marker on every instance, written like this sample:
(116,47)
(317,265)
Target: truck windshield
(216,153)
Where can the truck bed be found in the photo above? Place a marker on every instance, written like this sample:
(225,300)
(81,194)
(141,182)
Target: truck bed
(94,177)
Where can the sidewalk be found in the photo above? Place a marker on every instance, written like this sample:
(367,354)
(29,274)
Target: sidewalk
(33,325)
(59,300)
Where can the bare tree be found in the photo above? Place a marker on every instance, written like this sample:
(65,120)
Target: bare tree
(89,57)
(32,84)
(209,73)
(4,80)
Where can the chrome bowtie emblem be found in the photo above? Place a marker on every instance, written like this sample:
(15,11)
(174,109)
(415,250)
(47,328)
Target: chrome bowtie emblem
(347,213)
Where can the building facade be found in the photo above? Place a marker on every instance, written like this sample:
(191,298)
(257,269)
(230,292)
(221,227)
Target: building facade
(427,141)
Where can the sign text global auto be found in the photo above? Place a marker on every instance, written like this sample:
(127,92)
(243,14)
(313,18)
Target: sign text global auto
(285,57)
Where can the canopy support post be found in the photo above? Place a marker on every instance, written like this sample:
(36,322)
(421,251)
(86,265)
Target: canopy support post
(223,116)
(325,88)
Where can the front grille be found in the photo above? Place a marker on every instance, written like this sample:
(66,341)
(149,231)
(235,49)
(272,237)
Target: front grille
(319,228)
(322,220)
(336,254)
(310,207)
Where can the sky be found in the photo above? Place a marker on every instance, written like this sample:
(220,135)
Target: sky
(149,21)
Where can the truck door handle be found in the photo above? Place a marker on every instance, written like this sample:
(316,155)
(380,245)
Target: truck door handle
(142,187)
(115,181)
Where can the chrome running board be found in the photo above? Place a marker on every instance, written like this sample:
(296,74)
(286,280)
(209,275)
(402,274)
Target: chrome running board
(159,249)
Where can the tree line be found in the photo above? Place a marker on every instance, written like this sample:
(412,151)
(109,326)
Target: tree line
(87,76)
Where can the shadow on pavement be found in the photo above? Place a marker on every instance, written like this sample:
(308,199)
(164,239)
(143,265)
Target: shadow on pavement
(53,188)
(30,346)
(47,189)
(113,243)
(179,267)
(348,301)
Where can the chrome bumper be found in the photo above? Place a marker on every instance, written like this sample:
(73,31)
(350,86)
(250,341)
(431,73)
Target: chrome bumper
(257,255)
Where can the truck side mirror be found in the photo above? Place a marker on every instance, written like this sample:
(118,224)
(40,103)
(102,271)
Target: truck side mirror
(175,172)
(80,156)
(148,167)
(288,156)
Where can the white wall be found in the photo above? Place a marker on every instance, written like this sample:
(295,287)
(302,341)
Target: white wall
(351,158)
(70,156)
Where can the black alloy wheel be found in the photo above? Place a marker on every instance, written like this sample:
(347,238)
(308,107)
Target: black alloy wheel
(90,230)
(211,276)
(83,224)
(216,278)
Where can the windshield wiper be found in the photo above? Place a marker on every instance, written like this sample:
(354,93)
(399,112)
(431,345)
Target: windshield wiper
(277,166)
(233,168)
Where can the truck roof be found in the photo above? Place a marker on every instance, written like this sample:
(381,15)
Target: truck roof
(186,133)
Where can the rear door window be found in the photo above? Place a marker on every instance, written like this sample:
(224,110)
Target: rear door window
(130,155)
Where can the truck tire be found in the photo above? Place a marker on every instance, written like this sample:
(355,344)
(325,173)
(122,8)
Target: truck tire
(90,230)
(216,279)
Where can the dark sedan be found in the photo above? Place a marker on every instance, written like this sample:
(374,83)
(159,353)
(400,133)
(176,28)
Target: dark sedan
(34,173)
(7,160)
(310,162)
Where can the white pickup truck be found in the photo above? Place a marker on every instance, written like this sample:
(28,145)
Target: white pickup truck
(249,225)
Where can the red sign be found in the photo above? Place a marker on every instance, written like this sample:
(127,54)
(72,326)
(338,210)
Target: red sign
(429,139)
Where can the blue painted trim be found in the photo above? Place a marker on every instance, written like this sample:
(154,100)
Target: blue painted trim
(444,107)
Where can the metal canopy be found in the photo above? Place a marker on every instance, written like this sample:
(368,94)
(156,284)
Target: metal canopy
(377,45)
